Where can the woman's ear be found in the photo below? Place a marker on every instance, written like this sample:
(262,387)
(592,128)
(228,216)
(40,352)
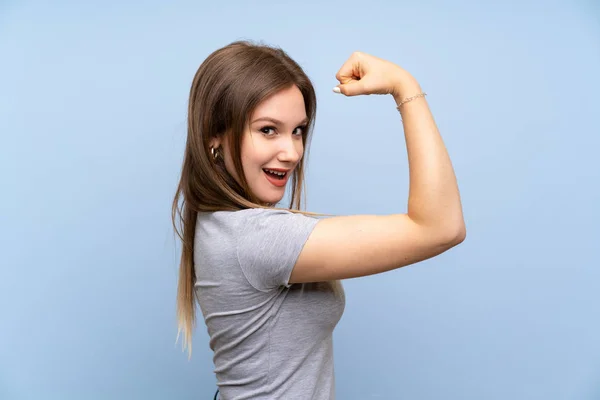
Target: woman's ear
(215,143)
(218,140)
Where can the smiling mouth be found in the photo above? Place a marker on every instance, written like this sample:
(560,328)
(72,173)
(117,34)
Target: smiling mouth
(276,174)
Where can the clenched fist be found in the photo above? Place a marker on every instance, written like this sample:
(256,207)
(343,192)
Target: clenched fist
(364,74)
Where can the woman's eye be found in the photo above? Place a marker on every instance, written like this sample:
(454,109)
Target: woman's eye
(270,130)
(266,130)
(300,130)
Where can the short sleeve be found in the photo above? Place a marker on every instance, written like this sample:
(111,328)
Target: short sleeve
(268,244)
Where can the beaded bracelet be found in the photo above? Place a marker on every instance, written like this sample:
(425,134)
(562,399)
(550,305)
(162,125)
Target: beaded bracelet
(406,100)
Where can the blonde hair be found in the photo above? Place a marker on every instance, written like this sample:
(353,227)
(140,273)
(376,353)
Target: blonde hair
(228,86)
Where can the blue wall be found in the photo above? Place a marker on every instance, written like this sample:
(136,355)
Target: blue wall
(92,126)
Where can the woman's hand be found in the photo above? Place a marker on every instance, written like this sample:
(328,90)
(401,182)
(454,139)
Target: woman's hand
(366,74)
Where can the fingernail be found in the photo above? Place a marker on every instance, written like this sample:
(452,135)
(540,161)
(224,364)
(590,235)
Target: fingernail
(337,90)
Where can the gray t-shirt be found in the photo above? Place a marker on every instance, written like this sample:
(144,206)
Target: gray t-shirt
(271,339)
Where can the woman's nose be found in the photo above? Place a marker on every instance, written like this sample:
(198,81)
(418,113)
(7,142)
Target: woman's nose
(291,149)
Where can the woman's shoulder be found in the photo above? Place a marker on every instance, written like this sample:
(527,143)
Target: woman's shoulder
(254,218)
(245,213)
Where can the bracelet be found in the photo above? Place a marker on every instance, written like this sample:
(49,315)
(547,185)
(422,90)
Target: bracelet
(406,100)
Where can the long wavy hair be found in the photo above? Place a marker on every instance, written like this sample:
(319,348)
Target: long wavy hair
(228,86)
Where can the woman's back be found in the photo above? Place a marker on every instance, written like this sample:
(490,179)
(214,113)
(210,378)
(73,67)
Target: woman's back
(270,339)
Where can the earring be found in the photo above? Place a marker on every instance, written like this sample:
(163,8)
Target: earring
(215,153)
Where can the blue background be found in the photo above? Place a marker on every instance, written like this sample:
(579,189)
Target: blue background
(93,104)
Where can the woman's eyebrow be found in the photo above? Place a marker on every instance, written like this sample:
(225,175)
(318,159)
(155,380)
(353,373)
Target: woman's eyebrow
(278,122)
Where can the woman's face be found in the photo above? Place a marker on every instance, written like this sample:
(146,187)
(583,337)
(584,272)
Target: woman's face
(271,144)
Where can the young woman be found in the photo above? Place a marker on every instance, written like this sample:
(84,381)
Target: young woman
(266,278)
